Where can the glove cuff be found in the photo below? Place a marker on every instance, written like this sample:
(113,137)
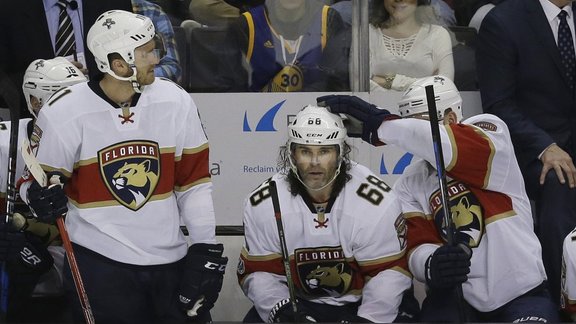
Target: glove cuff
(277,309)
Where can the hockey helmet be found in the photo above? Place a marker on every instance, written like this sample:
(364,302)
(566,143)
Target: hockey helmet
(119,31)
(446,95)
(44,77)
(317,126)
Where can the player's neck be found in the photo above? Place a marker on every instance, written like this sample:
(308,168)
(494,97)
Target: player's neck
(321,196)
(117,90)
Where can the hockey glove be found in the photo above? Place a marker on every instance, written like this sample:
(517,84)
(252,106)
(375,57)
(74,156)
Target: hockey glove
(32,258)
(202,278)
(448,266)
(362,118)
(283,312)
(48,203)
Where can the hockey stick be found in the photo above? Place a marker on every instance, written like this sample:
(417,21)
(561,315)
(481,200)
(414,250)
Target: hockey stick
(441,171)
(38,173)
(12,98)
(283,247)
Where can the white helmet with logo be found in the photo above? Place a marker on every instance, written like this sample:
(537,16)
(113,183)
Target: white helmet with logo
(119,31)
(317,126)
(44,77)
(446,96)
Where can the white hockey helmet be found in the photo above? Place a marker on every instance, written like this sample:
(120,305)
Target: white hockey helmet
(119,31)
(44,77)
(446,95)
(317,126)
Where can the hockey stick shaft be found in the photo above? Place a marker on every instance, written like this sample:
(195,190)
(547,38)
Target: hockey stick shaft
(12,98)
(40,176)
(441,171)
(440,168)
(283,246)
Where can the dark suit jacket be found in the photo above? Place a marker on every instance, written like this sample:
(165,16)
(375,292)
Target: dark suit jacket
(25,36)
(521,79)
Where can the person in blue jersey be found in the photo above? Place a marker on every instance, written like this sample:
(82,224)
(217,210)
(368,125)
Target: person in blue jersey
(293,45)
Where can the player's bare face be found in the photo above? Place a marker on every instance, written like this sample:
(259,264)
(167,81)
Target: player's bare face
(316,164)
(146,59)
(400,10)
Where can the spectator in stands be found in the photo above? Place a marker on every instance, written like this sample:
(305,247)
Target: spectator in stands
(526,80)
(24,39)
(213,12)
(177,10)
(406,45)
(294,45)
(169,66)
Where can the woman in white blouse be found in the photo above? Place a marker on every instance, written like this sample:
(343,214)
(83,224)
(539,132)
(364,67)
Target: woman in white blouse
(405,44)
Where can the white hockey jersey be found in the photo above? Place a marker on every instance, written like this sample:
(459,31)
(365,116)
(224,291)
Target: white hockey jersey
(353,249)
(488,204)
(568,298)
(5,128)
(135,174)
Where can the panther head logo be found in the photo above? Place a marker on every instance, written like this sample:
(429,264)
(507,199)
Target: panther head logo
(137,179)
(334,280)
(467,218)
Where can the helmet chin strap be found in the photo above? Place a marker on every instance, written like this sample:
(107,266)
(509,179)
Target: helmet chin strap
(133,80)
(295,170)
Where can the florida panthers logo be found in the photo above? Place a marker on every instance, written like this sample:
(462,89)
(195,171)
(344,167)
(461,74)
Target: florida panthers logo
(466,212)
(131,171)
(323,271)
(333,280)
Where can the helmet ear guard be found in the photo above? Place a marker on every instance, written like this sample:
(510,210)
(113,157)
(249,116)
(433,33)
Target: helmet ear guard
(447,96)
(44,77)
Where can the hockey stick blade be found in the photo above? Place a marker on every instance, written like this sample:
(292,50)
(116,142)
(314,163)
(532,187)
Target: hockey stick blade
(32,163)
(40,176)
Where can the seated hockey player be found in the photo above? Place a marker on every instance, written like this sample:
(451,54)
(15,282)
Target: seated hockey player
(31,249)
(342,229)
(495,256)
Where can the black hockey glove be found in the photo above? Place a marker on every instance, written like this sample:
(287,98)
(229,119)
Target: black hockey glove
(448,266)
(48,203)
(32,258)
(202,279)
(23,252)
(362,118)
(283,312)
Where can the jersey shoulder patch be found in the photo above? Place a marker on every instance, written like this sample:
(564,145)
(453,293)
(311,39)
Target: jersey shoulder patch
(487,126)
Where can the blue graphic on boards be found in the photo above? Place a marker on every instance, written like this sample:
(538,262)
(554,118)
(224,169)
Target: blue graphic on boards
(400,165)
(266,123)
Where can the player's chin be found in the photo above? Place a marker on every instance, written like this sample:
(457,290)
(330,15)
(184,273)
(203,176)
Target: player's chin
(147,79)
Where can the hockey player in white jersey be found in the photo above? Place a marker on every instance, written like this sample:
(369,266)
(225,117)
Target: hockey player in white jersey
(132,154)
(30,240)
(343,230)
(568,298)
(495,257)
